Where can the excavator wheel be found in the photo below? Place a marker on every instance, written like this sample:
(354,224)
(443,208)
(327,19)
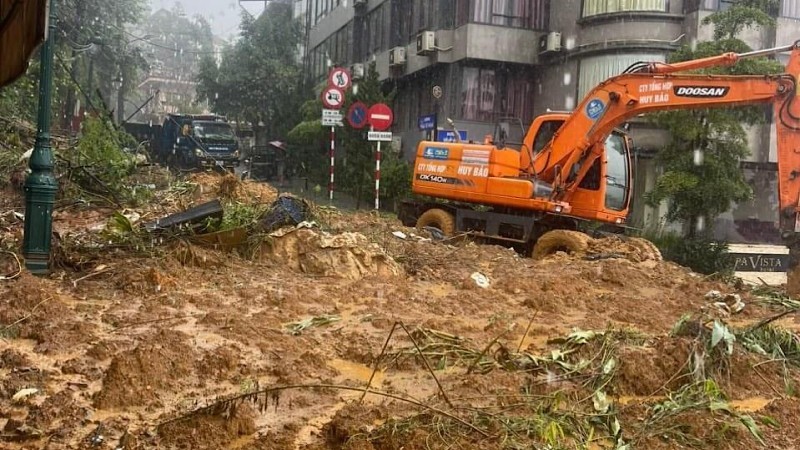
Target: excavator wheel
(439,219)
(647,248)
(572,242)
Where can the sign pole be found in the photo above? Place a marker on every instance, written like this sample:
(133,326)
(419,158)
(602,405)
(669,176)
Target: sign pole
(333,149)
(378,177)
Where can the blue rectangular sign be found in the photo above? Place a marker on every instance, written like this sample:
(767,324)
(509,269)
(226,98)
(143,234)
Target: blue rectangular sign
(426,123)
(450,136)
(435,153)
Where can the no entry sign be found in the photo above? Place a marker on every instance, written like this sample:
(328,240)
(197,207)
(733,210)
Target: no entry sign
(380,117)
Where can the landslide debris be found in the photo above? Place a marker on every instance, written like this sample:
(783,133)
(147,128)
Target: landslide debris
(169,341)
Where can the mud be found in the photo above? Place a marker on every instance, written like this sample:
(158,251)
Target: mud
(131,351)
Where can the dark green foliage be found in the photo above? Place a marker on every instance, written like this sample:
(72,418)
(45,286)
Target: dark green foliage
(396,175)
(358,170)
(99,167)
(702,176)
(741,15)
(259,78)
(701,253)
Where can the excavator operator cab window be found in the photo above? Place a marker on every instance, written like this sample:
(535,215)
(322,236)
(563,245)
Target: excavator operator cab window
(616,172)
(545,134)
(509,133)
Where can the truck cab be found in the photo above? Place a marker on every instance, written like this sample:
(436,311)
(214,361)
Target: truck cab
(200,141)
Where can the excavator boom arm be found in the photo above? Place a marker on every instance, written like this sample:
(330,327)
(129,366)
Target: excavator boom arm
(580,139)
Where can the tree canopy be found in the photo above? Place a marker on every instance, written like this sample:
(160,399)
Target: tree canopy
(702,174)
(259,78)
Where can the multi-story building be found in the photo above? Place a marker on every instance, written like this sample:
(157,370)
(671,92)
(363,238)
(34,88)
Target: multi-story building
(499,58)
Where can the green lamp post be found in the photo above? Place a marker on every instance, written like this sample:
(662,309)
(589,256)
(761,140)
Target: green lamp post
(41,185)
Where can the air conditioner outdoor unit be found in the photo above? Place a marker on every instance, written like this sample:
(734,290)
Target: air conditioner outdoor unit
(426,42)
(397,56)
(550,42)
(357,71)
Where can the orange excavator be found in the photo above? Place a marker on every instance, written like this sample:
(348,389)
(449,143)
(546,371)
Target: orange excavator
(574,168)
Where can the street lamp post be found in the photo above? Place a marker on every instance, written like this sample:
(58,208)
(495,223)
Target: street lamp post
(41,185)
(118,83)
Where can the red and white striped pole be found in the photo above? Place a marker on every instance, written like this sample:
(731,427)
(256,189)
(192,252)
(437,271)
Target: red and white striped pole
(333,149)
(378,177)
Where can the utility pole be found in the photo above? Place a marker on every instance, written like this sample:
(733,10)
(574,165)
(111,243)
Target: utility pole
(41,185)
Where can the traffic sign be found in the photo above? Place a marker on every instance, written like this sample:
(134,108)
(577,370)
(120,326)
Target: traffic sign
(357,115)
(427,122)
(331,118)
(332,97)
(380,117)
(450,136)
(339,77)
(331,122)
(380,136)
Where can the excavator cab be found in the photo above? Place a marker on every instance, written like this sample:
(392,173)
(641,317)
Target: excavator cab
(604,192)
(509,133)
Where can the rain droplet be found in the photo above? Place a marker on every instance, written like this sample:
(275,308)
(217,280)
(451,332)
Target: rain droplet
(701,223)
(569,43)
(569,102)
(567,79)
(698,157)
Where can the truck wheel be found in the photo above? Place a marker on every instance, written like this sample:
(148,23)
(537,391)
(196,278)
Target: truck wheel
(439,219)
(647,248)
(572,242)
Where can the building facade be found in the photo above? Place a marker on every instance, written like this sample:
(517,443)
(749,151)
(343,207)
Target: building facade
(518,58)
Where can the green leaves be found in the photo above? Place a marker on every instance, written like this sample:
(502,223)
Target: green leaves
(258,78)
(702,177)
(743,14)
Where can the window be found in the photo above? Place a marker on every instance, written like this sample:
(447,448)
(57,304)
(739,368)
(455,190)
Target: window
(545,134)
(717,5)
(375,30)
(400,23)
(532,14)
(477,94)
(487,94)
(790,8)
(595,69)
(594,7)
(616,172)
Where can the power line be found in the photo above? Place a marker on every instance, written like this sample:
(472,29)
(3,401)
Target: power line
(145,39)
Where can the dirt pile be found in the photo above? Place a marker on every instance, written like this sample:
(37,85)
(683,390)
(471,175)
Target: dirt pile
(348,255)
(172,344)
(138,377)
(210,431)
(230,187)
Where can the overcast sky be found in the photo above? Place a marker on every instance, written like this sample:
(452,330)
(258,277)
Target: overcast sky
(222,14)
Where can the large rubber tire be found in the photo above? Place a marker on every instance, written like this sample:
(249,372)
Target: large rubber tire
(648,249)
(439,219)
(568,241)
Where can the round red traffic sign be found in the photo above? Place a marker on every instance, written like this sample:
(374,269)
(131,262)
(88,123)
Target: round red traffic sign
(339,77)
(332,98)
(380,117)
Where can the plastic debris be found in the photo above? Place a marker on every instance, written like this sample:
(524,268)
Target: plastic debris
(399,235)
(287,210)
(480,279)
(23,394)
(727,303)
